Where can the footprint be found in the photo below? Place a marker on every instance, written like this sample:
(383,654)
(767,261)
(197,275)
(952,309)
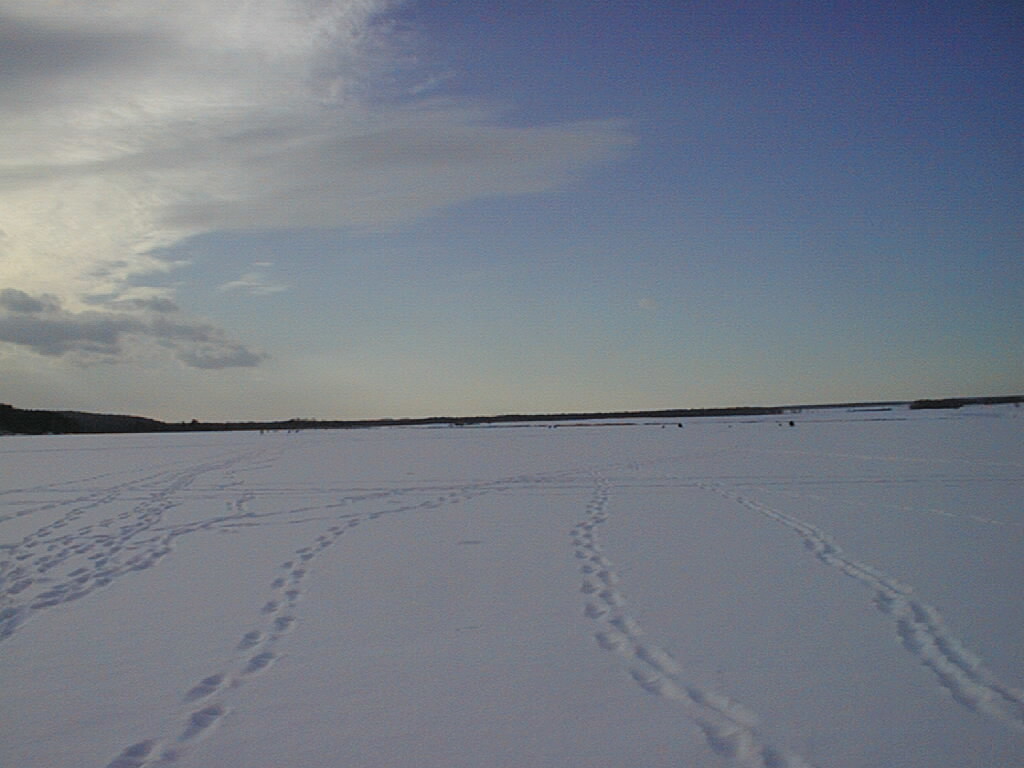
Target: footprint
(723,704)
(652,682)
(205,687)
(250,640)
(270,606)
(627,625)
(283,623)
(658,659)
(611,641)
(135,756)
(259,662)
(202,720)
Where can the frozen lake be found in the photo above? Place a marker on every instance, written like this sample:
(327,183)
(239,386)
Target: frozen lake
(844,592)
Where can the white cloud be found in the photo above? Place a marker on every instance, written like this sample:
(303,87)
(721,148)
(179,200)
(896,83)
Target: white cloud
(127,110)
(131,125)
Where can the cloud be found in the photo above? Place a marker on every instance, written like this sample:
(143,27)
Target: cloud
(42,60)
(40,324)
(220,356)
(151,304)
(254,283)
(132,125)
(378,171)
(14,300)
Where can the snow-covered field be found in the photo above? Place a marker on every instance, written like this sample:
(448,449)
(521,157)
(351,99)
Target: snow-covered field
(846,592)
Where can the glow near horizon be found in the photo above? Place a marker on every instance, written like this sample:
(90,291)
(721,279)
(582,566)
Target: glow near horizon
(368,209)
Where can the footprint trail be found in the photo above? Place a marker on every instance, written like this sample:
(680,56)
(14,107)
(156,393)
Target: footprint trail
(729,728)
(205,704)
(919,626)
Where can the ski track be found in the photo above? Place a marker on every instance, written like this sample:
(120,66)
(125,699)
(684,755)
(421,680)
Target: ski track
(61,562)
(729,728)
(919,626)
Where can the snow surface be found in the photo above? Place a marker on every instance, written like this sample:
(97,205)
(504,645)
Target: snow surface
(737,592)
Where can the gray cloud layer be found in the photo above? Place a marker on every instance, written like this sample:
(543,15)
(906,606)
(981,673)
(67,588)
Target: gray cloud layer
(40,324)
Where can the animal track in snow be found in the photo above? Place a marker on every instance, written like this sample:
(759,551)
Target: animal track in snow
(729,729)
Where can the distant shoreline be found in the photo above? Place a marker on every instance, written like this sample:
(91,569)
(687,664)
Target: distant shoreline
(37,422)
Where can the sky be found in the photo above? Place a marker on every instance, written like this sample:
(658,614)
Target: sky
(272,209)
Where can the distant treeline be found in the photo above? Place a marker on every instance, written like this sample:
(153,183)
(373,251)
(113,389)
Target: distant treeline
(466,421)
(960,402)
(33,422)
(18,421)
(28,422)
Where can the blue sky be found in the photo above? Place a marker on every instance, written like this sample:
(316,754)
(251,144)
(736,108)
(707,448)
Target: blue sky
(282,208)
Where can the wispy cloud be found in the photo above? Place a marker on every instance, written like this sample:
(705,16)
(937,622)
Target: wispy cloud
(132,125)
(255,283)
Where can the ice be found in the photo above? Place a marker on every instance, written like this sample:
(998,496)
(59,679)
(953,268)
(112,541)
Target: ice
(740,592)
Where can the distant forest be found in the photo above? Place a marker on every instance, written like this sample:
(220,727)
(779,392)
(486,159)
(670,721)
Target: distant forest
(35,422)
